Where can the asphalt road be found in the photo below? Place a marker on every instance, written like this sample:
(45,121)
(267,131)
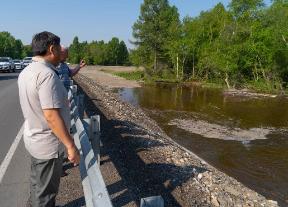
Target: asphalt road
(11,118)
(14,188)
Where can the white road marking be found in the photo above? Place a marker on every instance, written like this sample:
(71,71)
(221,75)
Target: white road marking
(5,163)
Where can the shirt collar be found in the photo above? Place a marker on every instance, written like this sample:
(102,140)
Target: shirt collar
(42,60)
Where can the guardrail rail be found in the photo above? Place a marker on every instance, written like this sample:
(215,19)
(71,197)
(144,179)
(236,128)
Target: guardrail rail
(86,134)
(94,188)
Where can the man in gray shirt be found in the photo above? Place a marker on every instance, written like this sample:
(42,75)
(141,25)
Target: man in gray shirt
(45,107)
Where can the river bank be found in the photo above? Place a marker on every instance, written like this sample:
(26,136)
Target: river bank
(252,89)
(152,163)
(136,77)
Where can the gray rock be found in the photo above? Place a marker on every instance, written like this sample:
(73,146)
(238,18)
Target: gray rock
(200,176)
(232,191)
(273,203)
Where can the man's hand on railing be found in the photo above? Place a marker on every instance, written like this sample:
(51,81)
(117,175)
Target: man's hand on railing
(73,155)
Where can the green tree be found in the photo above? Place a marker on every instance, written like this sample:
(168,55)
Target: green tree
(18,49)
(248,43)
(113,51)
(27,51)
(153,30)
(245,9)
(98,52)
(276,21)
(74,51)
(123,56)
(9,46)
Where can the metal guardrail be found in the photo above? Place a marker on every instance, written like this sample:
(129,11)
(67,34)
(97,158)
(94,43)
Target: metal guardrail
(86,133)
(95,192)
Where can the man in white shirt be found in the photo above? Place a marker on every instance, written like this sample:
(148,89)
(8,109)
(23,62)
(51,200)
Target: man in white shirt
(45,106)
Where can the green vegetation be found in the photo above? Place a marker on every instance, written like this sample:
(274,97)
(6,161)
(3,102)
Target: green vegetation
(10,47)
(134,75)
(99,53)
(245,45)
(141,75)
(114,52)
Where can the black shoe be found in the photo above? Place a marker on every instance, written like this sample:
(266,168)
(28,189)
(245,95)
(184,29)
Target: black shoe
(64,174)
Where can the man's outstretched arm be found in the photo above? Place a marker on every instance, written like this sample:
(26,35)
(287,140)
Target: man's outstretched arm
(77,68)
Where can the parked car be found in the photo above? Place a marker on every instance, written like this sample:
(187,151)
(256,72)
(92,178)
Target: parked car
(6,64)
(18,64)
(27,61)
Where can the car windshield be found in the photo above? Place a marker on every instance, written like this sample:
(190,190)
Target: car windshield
(16,61)
(4,60)
(27,59)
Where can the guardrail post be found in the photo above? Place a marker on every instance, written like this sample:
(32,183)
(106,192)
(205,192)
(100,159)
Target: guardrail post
(81,105)
(74,89)
(94,136)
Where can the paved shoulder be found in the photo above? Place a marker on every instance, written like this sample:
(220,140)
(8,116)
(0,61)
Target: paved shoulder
(15,186)
(11,117)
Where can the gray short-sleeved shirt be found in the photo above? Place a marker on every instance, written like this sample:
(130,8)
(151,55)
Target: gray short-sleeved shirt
(40,88)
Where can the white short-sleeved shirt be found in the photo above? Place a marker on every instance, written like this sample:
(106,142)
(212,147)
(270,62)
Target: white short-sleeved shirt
(40,88)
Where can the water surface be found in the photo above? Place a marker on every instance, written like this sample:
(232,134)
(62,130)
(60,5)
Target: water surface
(261,164)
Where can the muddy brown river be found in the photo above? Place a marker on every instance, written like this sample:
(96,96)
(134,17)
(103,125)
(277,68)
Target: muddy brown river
(245,137)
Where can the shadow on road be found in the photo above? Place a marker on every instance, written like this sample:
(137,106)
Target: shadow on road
(9,77)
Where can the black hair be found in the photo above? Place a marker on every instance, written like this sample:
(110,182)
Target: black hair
(42,41)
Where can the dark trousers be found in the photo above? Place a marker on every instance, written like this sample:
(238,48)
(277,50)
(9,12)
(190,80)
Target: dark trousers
(45,180)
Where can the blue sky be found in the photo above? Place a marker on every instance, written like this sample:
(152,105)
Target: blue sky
(87,19)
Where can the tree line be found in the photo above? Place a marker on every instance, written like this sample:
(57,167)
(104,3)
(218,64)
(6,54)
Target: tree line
(114,52)
(246,43)
(14,48)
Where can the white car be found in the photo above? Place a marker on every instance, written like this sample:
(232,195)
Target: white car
(6,64)
(27,61)
(18,64)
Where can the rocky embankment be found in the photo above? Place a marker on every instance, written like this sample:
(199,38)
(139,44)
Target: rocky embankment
(139,160)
